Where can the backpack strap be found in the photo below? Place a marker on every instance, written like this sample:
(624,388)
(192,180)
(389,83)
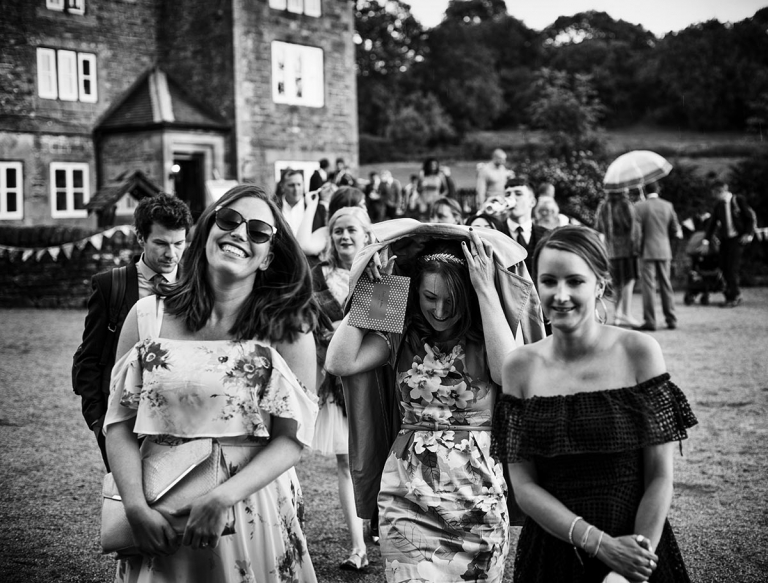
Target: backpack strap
(116,298)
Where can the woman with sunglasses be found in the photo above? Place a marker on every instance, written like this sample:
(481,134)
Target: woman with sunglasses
(221,356)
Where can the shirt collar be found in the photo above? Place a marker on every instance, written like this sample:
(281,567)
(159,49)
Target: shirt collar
(148,273)
(526,225)
(651,195)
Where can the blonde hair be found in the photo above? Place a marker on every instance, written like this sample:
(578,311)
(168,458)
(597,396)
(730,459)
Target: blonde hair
(330,254)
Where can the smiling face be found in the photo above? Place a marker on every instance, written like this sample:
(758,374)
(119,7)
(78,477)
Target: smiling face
(568,289)
(348,237)
(163,247)
(437,305)
(232,252)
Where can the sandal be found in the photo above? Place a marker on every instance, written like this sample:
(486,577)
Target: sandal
(357,561)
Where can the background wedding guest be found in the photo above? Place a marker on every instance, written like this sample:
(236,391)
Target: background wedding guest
(521,202)
(446,210)
(162,223)
(349,230)
(319,176)
(293,202)
(392,194)
(491,177)
(658,224)
(616,218)
(314,241)
(588,424)
(222,356)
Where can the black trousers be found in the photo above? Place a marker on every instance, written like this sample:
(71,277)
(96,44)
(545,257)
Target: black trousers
(730,264)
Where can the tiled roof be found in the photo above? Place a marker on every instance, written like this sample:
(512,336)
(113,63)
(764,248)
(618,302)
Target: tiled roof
(136,184)
(156,100)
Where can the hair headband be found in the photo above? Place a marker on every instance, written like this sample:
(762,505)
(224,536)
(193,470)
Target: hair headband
(443,258)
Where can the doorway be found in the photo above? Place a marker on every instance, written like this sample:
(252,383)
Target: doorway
(188,181)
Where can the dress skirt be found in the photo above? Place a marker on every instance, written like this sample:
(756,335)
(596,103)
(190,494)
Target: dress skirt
(268,544)
(623,269)
(331,431)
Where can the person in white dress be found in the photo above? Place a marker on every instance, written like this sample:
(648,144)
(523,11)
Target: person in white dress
(224,359)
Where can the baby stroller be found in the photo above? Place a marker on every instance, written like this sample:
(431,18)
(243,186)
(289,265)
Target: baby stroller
(704,276)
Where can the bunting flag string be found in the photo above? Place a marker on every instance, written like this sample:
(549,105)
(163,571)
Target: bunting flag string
(66,249)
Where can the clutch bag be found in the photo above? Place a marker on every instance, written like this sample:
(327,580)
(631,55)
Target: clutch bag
(171,479)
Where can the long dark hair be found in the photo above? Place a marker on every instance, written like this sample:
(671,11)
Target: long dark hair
(279,306)
(460,288)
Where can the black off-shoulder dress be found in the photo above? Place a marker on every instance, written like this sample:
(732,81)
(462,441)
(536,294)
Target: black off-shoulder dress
(588,452)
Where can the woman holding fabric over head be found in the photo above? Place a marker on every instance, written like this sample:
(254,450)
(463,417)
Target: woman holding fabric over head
(222,356)
(349,230)
(587,423)
(442,507)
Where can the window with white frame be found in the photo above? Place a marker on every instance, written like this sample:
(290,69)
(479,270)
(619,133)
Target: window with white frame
(71,6)
(66,75)
(11,185)
(308,7)
(70,190)
(297,75)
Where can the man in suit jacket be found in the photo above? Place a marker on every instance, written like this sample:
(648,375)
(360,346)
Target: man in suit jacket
(520,197)
(658,222)
(734,223)
(319,176)
(162,223)
(293,203)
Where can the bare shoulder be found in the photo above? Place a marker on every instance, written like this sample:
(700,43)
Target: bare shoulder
(643,353)
(520,366)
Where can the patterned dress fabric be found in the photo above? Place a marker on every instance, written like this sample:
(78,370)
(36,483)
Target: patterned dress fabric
(179,390)
(442,510)
(588,452)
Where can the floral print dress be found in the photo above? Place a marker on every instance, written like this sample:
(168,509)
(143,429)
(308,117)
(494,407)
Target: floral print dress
(442,506)
(178,390)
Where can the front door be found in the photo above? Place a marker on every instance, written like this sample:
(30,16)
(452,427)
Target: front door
(188,182)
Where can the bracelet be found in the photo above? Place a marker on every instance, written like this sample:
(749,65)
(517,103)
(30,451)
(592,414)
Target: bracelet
(570,531)
(597,548)
(585,538)
(570,538)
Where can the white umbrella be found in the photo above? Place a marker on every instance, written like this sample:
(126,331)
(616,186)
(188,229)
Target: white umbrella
(635,169)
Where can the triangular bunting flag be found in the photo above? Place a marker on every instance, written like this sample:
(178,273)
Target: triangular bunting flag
(81,244)
(54,252)
(125,229)
(96,240)
(67,249)
(27,254)
(109,232)
(39,254)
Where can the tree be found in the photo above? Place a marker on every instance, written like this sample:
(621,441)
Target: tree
(474,11)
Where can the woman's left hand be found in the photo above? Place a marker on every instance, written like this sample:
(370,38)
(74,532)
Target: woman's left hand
(207,519)
(479,256)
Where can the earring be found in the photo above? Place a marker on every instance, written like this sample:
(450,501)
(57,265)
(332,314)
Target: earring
(604,318)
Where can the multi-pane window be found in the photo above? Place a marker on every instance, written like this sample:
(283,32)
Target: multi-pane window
(71,6)
(66,75)
(11,185)
(308,7)
(297,74)
(70,190)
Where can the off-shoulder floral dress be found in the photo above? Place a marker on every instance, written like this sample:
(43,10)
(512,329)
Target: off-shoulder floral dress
(442,506)
(179,390)
(588,452)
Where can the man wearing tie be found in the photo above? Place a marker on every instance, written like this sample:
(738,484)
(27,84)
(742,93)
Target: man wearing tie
(734,223)
(162,223)
(521,200)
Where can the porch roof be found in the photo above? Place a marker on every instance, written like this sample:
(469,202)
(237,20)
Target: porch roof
(134,183)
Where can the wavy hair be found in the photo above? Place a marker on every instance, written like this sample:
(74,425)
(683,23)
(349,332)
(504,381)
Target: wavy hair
(280,305)
(460,289)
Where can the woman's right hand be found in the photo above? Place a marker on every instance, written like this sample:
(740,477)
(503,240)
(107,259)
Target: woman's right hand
(153,534)
(630,556)
(375,269)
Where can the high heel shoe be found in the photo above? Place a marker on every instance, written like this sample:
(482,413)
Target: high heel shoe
(357,561)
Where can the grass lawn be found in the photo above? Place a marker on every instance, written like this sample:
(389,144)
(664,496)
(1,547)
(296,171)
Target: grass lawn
(705,151)
(51,476)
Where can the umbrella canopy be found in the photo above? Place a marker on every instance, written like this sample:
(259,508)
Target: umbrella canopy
(635,169)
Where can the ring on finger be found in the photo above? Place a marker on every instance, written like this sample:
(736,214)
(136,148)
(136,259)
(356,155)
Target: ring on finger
(651,564)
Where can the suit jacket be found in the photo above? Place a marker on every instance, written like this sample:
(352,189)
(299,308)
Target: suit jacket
(371,399)
(537,234)
(741,215)
(658,222)
(91,380)
(316,180)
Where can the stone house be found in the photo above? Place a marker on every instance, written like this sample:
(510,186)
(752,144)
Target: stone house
(103,101)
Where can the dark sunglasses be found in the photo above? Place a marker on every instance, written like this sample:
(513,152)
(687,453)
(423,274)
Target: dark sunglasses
(228,219)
